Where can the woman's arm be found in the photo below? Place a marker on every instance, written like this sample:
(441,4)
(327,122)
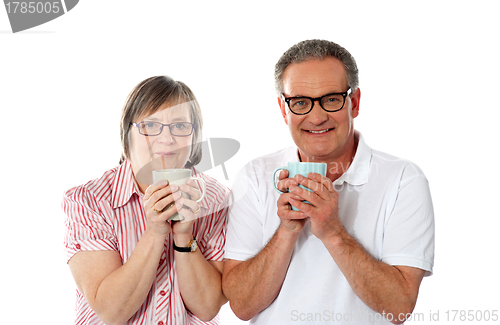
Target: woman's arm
(199,279)
(114,291)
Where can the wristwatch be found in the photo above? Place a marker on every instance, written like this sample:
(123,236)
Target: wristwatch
(192,246)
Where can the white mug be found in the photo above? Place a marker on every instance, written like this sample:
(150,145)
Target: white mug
(178,177)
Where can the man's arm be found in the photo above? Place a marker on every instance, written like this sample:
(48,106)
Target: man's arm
(252,285)
(384,288)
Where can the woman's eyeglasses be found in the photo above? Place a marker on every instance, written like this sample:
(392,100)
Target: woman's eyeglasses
(178,129)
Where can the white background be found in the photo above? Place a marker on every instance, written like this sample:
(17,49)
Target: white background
(429,81)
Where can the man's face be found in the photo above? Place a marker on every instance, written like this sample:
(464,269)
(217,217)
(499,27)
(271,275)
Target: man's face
(320,135)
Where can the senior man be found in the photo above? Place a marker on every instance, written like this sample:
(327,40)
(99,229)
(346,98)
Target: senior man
(358,249)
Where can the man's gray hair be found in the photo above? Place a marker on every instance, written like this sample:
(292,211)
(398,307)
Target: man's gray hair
(316,49)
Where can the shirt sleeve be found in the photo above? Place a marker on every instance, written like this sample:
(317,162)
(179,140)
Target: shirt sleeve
(212,243)
(409,230)
(211,230)
(245,225)
(86,228)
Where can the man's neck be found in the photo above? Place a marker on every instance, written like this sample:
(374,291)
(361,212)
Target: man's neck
(336,166)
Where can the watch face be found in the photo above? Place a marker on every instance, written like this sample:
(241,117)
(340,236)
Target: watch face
(194,245)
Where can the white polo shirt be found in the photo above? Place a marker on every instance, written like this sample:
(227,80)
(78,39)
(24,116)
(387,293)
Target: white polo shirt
(384,203)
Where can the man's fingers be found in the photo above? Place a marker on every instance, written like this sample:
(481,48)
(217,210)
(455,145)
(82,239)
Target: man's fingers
(284,184)
(286,213)
(325,181)
(318,183)
(283,174)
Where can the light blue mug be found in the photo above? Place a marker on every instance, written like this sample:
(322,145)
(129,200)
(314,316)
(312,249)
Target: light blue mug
(302,168)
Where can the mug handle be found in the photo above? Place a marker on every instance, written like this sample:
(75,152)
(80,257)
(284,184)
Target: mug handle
(274,175)
(204,187)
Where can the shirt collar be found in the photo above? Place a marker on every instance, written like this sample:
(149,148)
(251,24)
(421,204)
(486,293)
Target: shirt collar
(359,170)
(124,185)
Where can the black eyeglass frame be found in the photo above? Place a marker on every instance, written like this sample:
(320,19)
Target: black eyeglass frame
(161,129)
(344,95)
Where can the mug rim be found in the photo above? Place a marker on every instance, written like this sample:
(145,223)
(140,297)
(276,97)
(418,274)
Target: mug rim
(306,162)
(171,170)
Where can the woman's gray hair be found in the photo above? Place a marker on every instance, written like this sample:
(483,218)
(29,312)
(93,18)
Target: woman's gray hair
(147,98)
(316,49)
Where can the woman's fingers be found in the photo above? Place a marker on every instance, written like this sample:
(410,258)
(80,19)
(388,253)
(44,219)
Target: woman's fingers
(159,205)
(166,198)
(153,188)
(191,188)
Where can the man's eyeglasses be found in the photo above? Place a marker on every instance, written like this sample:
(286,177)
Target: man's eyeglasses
(179,129)
(331,102)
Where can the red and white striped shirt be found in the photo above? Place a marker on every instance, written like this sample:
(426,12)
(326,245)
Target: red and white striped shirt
(108,214)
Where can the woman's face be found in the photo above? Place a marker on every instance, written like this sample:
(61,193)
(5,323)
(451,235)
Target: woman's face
(163,151)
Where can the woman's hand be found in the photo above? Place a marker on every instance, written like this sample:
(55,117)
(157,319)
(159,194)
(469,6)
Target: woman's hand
(156,198)
(187,206)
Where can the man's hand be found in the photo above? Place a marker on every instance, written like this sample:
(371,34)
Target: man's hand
(323,204)
(384,288)
(292,221)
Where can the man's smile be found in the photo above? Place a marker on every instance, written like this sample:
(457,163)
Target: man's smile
(319,131)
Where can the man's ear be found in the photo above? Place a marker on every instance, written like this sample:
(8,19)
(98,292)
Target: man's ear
(282,105)
(355,99)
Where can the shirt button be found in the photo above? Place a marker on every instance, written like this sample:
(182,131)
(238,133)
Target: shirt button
(161,261)
(77,246)
(163,293)
(160,323)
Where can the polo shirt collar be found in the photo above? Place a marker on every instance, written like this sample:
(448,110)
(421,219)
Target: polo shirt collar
(359,170)
(124,185)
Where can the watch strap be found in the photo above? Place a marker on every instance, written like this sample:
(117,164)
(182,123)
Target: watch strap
(187,249)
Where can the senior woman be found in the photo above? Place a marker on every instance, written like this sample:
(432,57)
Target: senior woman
(131,264)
